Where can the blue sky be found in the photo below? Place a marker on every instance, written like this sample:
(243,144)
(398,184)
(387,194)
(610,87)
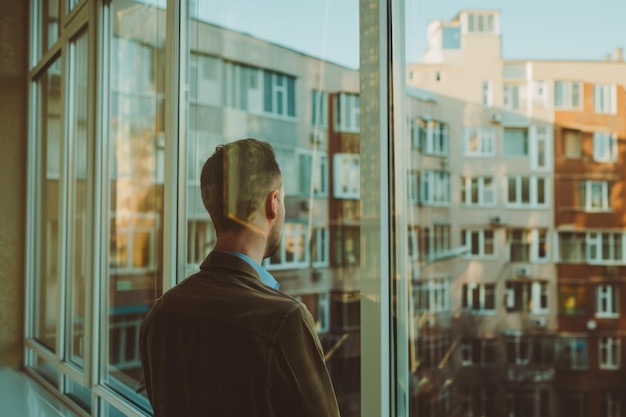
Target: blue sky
(539,29)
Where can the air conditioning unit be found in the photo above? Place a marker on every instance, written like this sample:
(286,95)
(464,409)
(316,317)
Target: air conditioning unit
(524,271)
(538,322)
(318,137)
(496,220)
(496,117)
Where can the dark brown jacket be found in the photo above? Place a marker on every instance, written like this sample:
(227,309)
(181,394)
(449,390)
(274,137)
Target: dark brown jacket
(221,343)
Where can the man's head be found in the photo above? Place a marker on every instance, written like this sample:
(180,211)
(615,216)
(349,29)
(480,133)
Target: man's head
(242,187)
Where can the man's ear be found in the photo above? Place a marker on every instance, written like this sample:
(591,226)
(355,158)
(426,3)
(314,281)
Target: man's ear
(272,202)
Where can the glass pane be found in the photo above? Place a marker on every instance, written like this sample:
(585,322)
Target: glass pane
(50,148)
(79,255)
(50,25)
(79,394)
(295,83)
(135,208)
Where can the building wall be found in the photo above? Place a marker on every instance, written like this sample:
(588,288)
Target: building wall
(13,88)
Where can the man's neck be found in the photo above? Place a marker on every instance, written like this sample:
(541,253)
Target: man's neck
(247,242)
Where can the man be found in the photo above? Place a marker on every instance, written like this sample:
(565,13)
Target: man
(226,342)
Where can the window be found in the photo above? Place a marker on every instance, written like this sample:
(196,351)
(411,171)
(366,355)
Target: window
(347,113)
(487,94)
(572,300)
(605,247)
(567,95)
(540,148)
(347,241)
(573,353)
(529,297)
(540,94)
(313,173)
(481,243)
(478,352)
(435,188)
(526,191)
(572,144)
(435,141)
(320,244)
(418,133)
(293,251)
(242,88)
(204,80)
(605,147)
(319,108)
(436,241)
(511,97)
(479,141)
(279,94)
(431,350)
(609,352)
(200,241)
(346,170)
(611,405)
(606,301)
(594,195)
(413,187)
(605,98)
(478,191)
(431,295)
(527,245)
(572,246)
(132,246)
(515,142)
(479,298)
(518,350)
(481,23)
(573,404)
(451,37)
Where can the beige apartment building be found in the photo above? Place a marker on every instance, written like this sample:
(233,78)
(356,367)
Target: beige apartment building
(494,180)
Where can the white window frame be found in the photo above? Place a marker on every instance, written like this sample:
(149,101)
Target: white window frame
(436,139)
(487,94)
(318,176)
(467,352)
(129,230)
(531,291)
(275,88)
(485,140)
(483,288)
(571,91)
(605,147)
(504,142)
(605,98)
(540,139)
(540,94)
(435,188)
(611,345)
(579,360)
(612,404)
(436,290)
(578,243)
(517,341)
(322,246)
(595,248)
(588,188)
(346,176)
(319,108)
(414,196)
(347,113)
(607,301)
(512,96)
(466,238)
(295,231)
(533,239)
(438,241)
(534,181)
(486,193)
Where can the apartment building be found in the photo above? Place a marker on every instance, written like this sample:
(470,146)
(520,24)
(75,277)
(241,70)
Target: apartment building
(533,171)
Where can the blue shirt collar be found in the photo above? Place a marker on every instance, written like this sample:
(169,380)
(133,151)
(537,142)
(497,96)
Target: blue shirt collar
(265,276)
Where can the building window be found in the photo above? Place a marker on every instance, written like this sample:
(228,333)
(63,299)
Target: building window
(611,405)
(479,141)
(345,311)
(526,191)
(605,247)
(430,351)
(527,297)
(279,94)
(572,300)
(609,352)
(435,188)
(606,301)
(313,173)
(293,251)
(540,94)
(487,94)
(451,38)
(133,242)
(320,244)
(435,141)
(515,141)
(605,98)
(431,295)
(478,191)
(201,239)
(413,187)
(347,240)
(518,350)
(572,247)
(605,147)
(346,170)
(481,243)
(478,352)
(567,95)
(319,108)
(418,133)
(527,245)
(572,353)
(479,298)
(347,113)
(436,241)
(594,195)
(481,23)
(540,148)
(511,97)
(572,144)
